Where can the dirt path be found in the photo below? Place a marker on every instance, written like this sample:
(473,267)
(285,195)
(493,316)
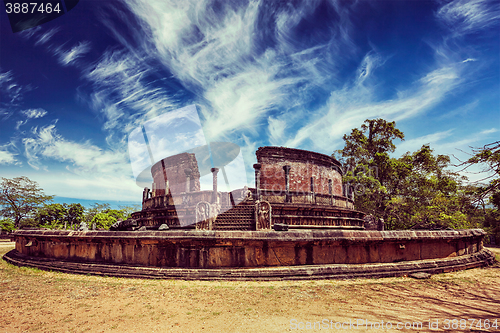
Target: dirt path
(37,301)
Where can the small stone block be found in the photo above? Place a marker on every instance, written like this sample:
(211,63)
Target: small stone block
(420,275)
(280,227)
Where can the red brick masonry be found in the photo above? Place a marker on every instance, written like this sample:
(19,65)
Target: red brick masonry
(213,249)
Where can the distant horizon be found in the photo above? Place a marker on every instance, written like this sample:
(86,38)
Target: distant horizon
(114,204)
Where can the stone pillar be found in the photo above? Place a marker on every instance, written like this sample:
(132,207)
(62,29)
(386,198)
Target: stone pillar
(188,173)
(313,192)
(330,191)
(215,196)
(380,226)
(153,186)
(286,168)
(257,167)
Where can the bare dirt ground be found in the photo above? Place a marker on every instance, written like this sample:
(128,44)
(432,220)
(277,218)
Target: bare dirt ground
(37,301)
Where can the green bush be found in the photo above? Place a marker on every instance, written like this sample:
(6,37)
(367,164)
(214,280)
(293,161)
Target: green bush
(7,225)
(103,221)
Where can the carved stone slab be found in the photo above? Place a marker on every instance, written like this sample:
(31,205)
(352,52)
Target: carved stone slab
(203,216)
(263,218)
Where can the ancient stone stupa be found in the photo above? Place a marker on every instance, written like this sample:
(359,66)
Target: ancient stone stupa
(298,222)
(294,189)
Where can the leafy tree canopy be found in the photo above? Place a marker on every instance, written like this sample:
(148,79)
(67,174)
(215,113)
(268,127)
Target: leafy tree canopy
(103,220)
(19,197)
(414,191)
(7,225)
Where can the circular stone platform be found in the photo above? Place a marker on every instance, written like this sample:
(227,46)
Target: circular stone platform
(251,255)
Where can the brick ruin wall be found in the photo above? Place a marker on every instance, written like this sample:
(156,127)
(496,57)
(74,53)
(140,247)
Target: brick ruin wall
(305,166)
(175,170)
(213,249)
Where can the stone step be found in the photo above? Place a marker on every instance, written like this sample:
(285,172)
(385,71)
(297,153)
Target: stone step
(240,217)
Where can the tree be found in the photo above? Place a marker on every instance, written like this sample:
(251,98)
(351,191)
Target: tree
(367,165)
(488,195)
(7,225)
(128,210)
(117,214)
(424,194)
(103,220)
(91,212)
(489,157)
(19,197)
(74,215)
(413,191)
(51,216)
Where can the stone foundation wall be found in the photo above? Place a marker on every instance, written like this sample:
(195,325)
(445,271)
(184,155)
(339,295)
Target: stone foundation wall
(220,249)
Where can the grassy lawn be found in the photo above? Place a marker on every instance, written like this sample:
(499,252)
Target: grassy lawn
(38,301)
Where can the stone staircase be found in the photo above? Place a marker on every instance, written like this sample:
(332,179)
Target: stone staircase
(240,217)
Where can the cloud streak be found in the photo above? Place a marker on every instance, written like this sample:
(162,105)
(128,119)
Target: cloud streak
(9,89)
(469,16)
(85,158)
(70,56)
(219,55)
(6,157)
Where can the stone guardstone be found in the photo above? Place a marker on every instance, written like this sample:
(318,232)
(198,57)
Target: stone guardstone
(371,222)
(83,227)
(420,275)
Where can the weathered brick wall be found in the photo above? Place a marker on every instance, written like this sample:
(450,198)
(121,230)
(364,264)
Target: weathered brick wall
(212,249)
(304,165)
(173,169)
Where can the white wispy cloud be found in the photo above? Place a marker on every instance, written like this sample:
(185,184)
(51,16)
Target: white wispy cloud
(462,110)
(30,114)
(217,54)
(350,106)
(82,158)
(10,91)
(214,53)
(46,36)
(91,172)
(276,130)
(91,187)
(458,148)
(123,95)
(238,102)
(414,144)
(34,113)
(447,142)
(469,16)
(489,131)
(6,157)
(66,57)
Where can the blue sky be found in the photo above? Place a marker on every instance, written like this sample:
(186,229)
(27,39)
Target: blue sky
(299,74)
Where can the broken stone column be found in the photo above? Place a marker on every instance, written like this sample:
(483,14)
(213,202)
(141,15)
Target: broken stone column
(330,191)
(380,226)
(257,167)
(287,168)
(188,173)
(215,196)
